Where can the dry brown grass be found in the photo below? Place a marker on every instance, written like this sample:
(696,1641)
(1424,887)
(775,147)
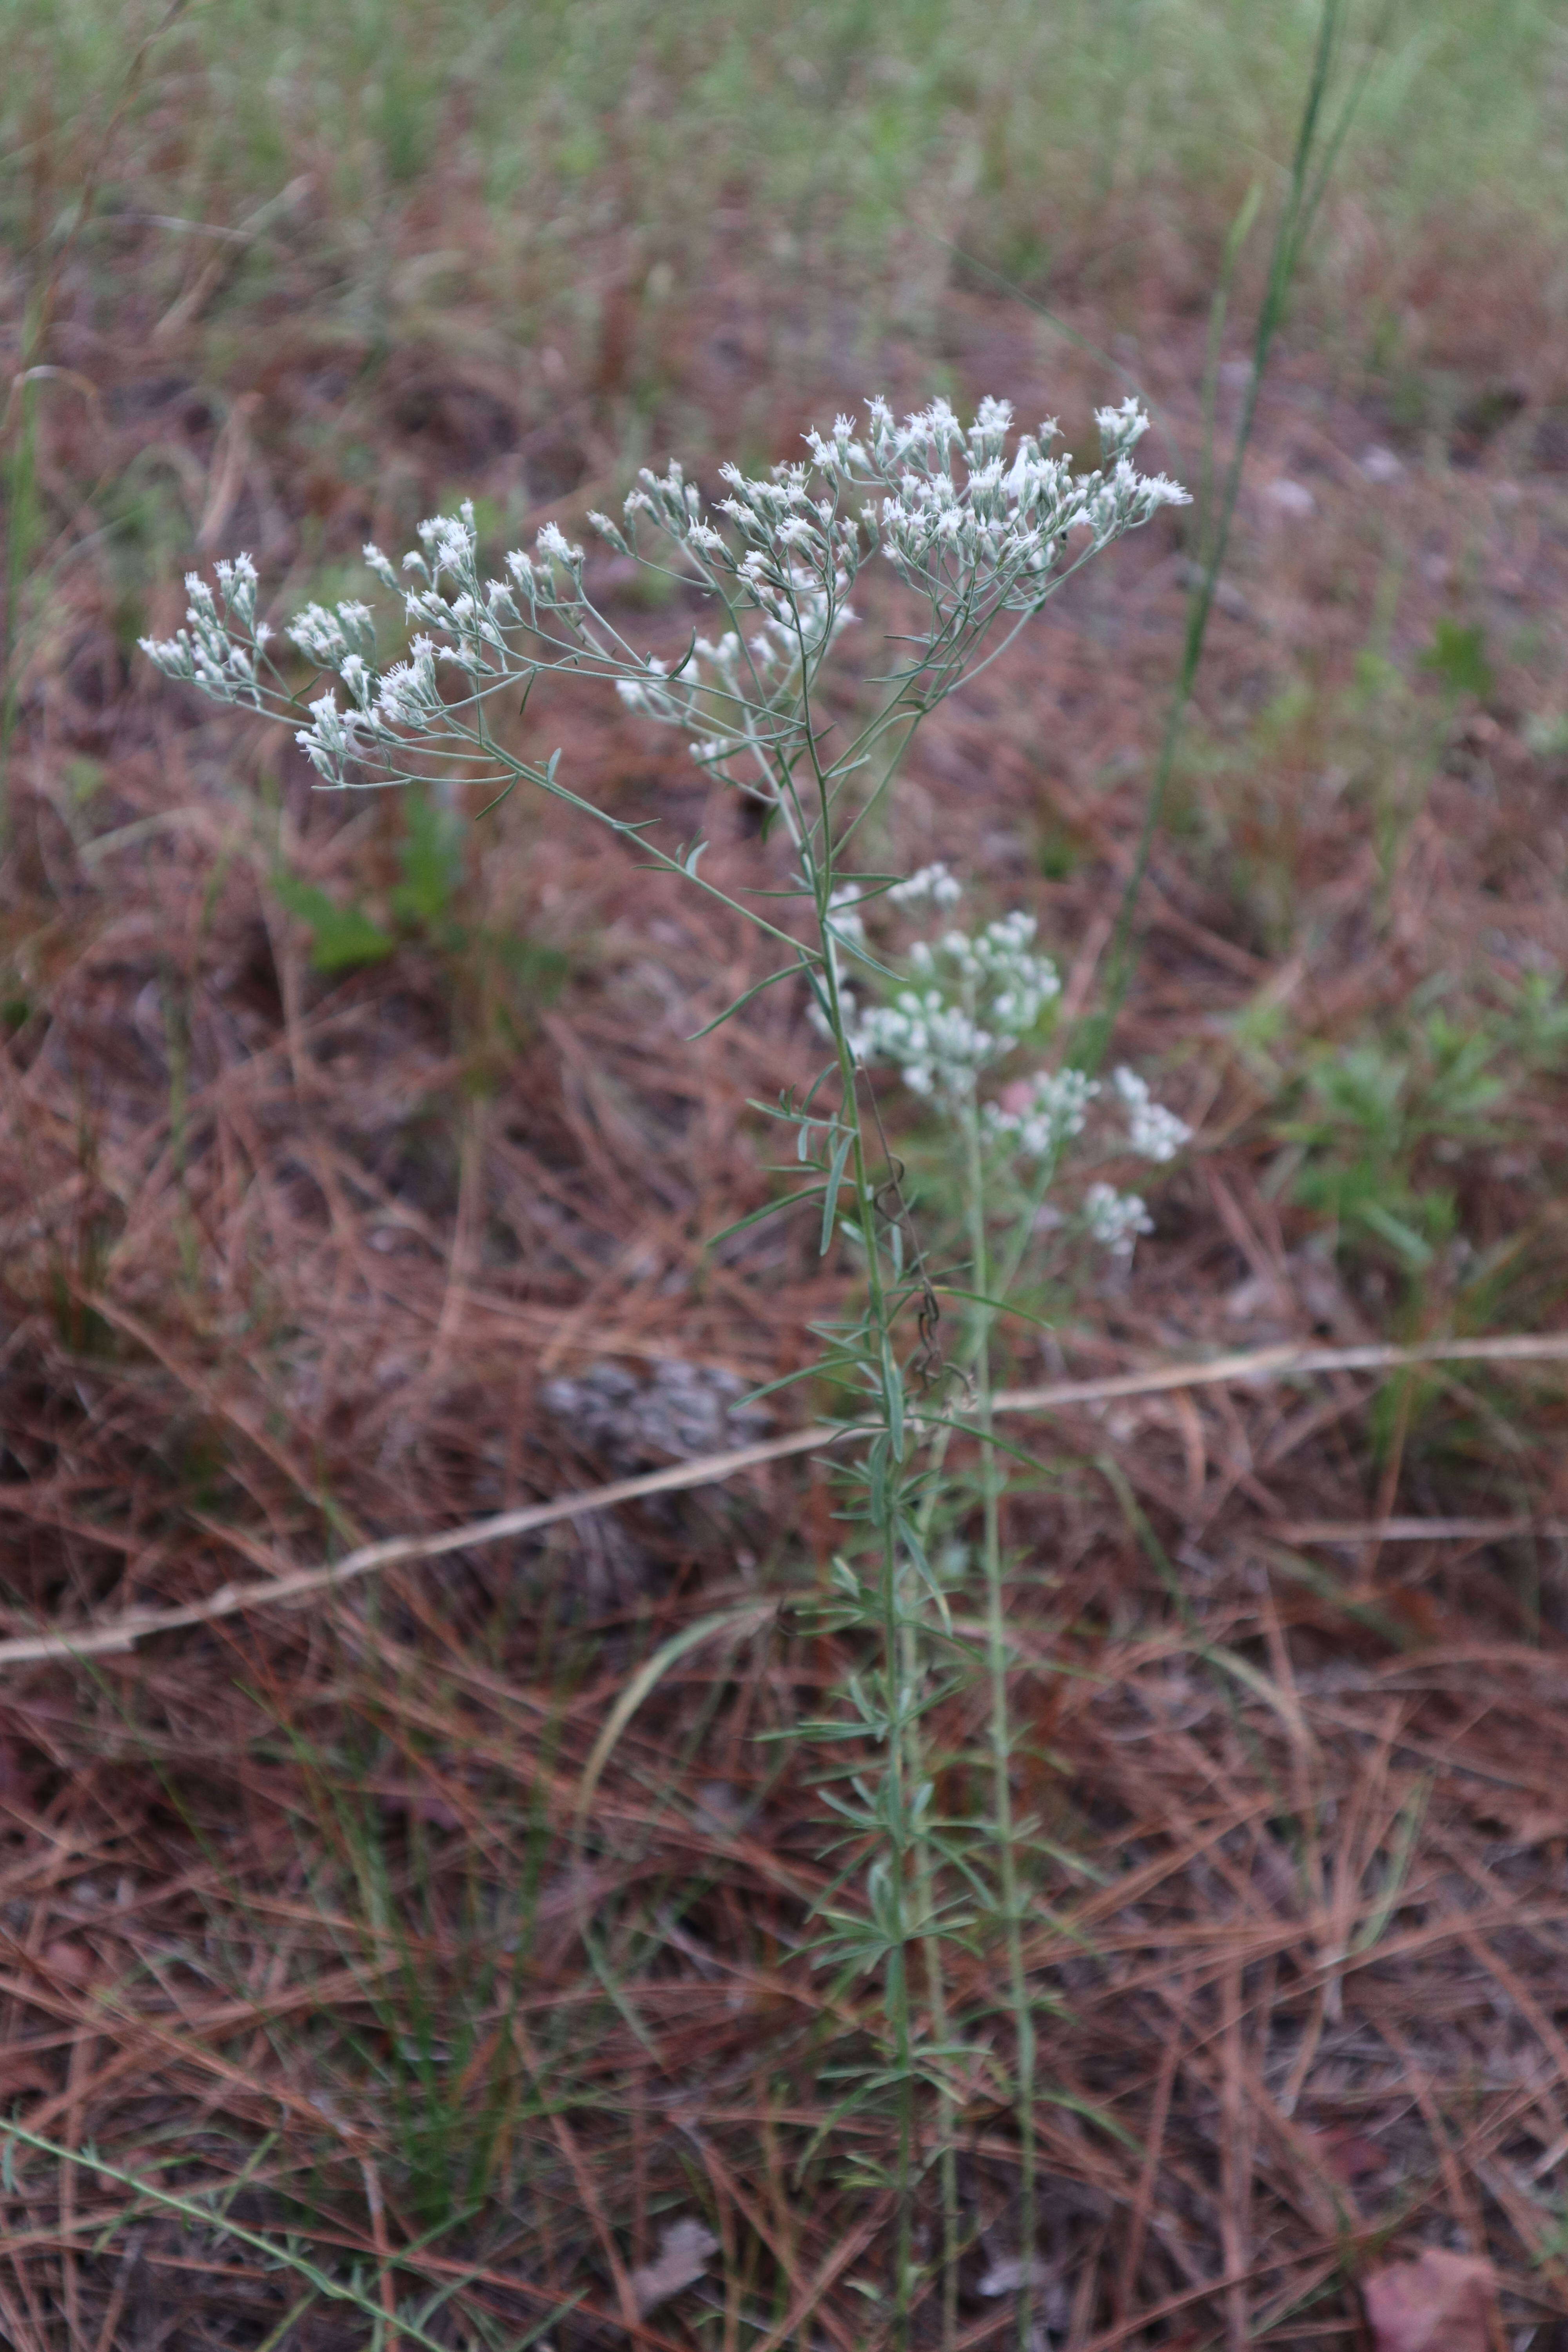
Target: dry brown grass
(288,1257)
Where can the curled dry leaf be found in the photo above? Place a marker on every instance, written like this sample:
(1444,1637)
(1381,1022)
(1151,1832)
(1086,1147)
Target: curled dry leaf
(684,2250)
(1438,2303)
(1006,2276)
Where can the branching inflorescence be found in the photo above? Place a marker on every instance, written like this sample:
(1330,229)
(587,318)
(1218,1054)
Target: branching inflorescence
(981,527)
(980,534)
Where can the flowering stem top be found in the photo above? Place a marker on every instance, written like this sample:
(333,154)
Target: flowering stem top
(984,533)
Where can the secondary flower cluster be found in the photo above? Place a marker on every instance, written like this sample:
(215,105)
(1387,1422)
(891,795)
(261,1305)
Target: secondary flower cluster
(218,648)
(985,992)
(1115,1219)
(1152,1131)
(1045,1112)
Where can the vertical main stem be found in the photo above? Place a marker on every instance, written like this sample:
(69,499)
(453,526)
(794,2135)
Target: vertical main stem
(897,1634)
(936,1997)
(996,1655)
(21,486)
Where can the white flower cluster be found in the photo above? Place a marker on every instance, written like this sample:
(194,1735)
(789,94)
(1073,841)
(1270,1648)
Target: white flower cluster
(985,991)
(1152,1131)
(790,559)
(789,541)
(981,528)
(218,649)
(1115,1219)
(936,883)
(970,523)
(1019,984)
(985,538)
(468,625)
(941,1047)
(1053,1112)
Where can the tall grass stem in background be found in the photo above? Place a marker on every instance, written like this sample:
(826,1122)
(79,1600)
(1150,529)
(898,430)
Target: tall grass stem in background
(20,474)
(1320,140)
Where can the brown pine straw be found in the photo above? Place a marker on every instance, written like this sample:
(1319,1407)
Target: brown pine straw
(1278,1362)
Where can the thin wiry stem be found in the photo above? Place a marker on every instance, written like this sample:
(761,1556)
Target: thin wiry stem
(900,1665)
(997,1662)
(1316,151)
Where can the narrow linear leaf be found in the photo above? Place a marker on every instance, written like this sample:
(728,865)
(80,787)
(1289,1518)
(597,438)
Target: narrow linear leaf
(785,972)
(770,1209)
(750,1616)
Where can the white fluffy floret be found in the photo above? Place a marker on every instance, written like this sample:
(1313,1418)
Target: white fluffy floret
(218,646)
(936,883)
(979,993)
(1115,1219)
(1152,1131)
(939,1048)
(1051,1114)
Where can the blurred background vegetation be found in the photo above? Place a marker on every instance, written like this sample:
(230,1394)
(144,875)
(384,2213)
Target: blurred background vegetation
(335,1130)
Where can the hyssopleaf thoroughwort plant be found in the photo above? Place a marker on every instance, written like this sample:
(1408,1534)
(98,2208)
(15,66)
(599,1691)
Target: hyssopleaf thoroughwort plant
(982,525)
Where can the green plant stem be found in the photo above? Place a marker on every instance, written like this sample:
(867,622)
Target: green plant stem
(936,1997)
(884,1481)
(1001,1729)
(1316,152)
(21,502)
(1000,1269)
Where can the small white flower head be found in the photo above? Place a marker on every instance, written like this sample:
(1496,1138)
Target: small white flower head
(172,655)
(554,543)
(1115,1219)
(380,564)
(936,883)
(451,543)
(1039,1116)
(329,742)
(1152,1131)
(609,530)
(1120,428)
(238,583)
(408,698)
(318,634)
